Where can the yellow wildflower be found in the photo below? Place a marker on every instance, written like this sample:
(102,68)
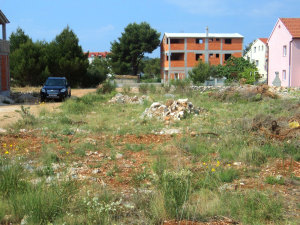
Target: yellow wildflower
(4,145)
(204,163)
(213,170)
(67,153)
(10,145)
(228,165)
(6,152)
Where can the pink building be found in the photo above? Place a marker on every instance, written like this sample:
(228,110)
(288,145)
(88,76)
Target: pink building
(284,53)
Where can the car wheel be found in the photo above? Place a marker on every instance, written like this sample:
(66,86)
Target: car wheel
(42,99)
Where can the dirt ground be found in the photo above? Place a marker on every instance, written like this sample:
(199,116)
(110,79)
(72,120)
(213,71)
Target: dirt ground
(9,115)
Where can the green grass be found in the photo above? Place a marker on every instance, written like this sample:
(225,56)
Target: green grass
(171,179)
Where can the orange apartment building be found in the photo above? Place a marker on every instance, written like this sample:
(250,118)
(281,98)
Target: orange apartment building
(4,58)
(180,52)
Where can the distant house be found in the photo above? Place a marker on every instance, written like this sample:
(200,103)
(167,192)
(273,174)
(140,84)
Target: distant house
(4,58)
(258,55)
(180,52)
(93,55)
(284,53)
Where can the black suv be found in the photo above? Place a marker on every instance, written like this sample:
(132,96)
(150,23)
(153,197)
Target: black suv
(55,88)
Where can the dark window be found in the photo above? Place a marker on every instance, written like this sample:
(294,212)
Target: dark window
(217,55)
(211,40)
(217,39)
(199,40)
(167,40)
(198,56)
(211,55)
(167,58)
(227,56)
(177,56)
(227,41)
(176,41)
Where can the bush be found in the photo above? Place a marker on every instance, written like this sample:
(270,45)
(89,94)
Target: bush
(106,87)
(181,86)
(201,72)
(274,180)
(144,88)
(176,188)
(152,89)
(228,175)
(252,207)
(11,177)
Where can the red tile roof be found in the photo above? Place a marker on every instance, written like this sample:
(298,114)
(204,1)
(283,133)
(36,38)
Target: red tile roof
(293,26)
(97,54)
(264,40)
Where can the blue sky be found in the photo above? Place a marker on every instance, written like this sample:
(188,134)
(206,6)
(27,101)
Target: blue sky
(99,22)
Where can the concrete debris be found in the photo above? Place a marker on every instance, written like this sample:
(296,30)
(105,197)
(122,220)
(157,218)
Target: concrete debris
(169,131)
(172,110)
(125,99)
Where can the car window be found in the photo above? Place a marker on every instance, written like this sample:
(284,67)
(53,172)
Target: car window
(55,82)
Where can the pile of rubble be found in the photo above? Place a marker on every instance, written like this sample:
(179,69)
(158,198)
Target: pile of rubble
(125,99)
(172,110)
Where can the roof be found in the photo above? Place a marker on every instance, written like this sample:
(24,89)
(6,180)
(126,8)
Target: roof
(293,26)
(203,35)
(3,18)
(97,54)
(264,40)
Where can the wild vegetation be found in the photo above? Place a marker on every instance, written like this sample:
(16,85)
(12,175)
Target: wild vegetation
(99,163)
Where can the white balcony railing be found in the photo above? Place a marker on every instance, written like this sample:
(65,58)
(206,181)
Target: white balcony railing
(4,46)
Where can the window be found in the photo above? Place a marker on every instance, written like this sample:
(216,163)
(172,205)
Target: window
(167,57)
(199,40)
(211,40)
(254,49)
(284,74)
(284,50)
(217,55)
(167,40)
(256,62)
(177,56)
(176,41)
(227,56)
(198,56)
(227,41)
(217,39)
(262,47)
(211,55)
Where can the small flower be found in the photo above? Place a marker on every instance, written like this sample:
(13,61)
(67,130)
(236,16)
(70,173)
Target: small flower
(228,165)
(204,163)
(213,170)
(6,152)
(10,145)
(4,145)
(67,153)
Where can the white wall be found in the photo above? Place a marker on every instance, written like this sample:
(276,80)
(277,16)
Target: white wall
(257,54)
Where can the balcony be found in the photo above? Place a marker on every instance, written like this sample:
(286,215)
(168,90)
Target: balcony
(4,46)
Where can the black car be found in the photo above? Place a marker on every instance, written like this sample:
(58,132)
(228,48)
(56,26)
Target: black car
(55,88)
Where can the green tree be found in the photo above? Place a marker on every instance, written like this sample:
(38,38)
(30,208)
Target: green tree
(201,72)
(129,50)
(237,68)
(66,57)
(29,64)
(17,38)
(96,72)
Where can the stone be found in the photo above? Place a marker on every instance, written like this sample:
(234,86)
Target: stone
(2,131)
(237,163)
(193,134)
(95,171)
(119,156)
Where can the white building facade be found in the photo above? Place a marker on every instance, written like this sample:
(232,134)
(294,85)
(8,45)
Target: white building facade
(258,55)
